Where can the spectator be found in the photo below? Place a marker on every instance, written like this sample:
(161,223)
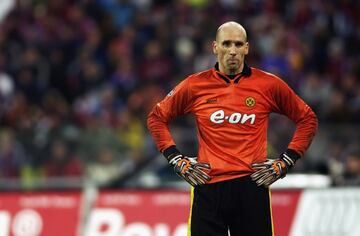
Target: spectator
(352,169)
(316,92)
(345,170)
(108,170)
(62,162)
(12,155)
(156,67)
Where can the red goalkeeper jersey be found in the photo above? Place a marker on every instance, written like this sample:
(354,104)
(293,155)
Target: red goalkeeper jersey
(232,118)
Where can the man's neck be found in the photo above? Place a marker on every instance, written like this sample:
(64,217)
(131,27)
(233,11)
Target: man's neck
(223,70)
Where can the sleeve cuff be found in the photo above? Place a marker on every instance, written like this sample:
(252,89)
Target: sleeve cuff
(293,154)
(170,150)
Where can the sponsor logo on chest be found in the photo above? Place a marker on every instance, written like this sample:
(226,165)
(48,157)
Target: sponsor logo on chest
(219,117)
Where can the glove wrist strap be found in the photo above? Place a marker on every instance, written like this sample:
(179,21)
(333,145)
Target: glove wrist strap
(174,158)
(290,157)
(171,153)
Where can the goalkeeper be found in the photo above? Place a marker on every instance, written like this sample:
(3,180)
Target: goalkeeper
(231,174)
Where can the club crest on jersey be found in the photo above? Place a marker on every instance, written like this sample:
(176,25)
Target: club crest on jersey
(219,117)
(250,102)
(170,93)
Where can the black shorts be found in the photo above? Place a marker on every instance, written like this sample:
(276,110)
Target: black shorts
(237,206)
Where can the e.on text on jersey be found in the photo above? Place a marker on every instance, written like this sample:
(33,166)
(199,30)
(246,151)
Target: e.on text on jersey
(219,117)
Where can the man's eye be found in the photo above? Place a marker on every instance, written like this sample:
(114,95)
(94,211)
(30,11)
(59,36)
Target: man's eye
(226,44)
(239,44)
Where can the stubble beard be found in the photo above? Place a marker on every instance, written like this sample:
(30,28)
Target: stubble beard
(233,69)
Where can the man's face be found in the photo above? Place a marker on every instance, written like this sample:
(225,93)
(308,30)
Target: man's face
(230,48)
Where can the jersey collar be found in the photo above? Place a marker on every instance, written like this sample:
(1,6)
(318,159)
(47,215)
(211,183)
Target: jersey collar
(245,72)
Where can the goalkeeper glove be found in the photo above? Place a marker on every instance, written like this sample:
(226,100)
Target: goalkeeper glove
(188,168)
(271,170)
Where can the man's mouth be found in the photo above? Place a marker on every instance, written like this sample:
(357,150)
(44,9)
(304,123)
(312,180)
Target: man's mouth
(232,61)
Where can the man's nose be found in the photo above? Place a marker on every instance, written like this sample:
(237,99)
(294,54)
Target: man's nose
(232,50)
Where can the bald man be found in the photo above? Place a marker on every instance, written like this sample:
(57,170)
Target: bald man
(231,46)
(231,174)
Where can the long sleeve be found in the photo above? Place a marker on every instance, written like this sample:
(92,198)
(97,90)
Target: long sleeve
(292,106)
(177,102)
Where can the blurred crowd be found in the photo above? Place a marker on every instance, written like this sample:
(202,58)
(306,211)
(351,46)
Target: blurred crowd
(77,79)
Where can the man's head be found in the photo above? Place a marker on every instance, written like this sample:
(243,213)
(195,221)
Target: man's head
(353,163)
(230,47)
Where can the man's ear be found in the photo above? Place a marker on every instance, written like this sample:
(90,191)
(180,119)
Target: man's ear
(214,46)
(247,48)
